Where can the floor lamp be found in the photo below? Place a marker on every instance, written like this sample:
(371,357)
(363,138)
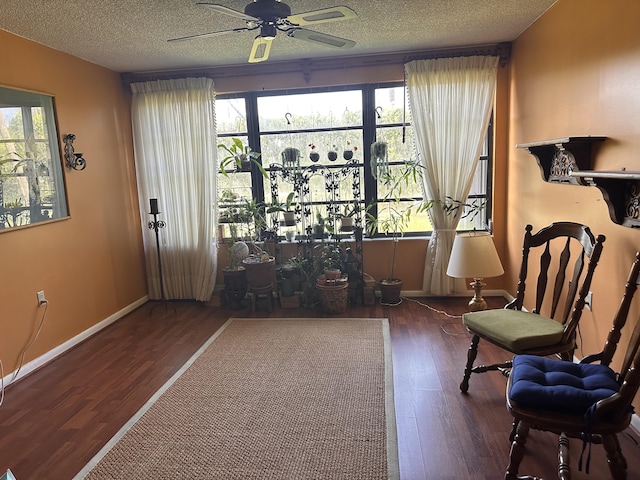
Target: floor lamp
(474,256)
(156,225)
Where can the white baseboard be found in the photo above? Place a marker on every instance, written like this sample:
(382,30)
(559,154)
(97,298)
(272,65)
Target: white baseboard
(42,360)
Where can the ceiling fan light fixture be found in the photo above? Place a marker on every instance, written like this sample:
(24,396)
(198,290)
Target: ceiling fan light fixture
(268,31)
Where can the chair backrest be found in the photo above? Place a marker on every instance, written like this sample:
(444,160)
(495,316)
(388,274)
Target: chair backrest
(570,275)
(619,405)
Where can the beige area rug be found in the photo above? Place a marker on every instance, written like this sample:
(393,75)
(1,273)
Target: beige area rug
(268,399)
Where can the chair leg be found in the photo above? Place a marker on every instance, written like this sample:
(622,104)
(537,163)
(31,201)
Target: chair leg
(472,353)
(514,428)
(517,451)
(615,459)
(564,468)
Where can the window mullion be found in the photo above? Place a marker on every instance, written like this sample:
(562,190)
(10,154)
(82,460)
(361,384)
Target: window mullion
(369,135)
(253,133)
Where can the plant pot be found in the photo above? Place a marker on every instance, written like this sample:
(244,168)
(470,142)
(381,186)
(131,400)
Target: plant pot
(346,224)
(390,291)
(332,274)
(347,154)
(235,285)
(318,231)
(287,287)
(259,274)
(289,219)
(332,156)
(314,157)
(245,163)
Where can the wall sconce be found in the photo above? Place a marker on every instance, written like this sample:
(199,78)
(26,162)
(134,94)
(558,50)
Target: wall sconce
(73,160)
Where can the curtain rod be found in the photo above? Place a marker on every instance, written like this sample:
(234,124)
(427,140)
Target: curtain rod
(503,50)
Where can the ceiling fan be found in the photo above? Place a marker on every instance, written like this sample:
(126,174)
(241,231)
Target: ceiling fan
(269,16)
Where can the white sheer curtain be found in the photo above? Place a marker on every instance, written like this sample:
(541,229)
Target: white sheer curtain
(174,134)
(450,101)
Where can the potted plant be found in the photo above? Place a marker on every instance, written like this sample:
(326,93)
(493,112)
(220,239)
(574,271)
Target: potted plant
(286,208)
(347,154)
(319,226)
(346,216)
(313,155)
(239,157)
(398,217)
(379,159)
(290,158)
(331,260)
(332,154)
(259,264)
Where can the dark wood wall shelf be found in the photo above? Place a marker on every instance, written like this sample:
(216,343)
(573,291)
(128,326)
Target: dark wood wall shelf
(621,191)
(559,157)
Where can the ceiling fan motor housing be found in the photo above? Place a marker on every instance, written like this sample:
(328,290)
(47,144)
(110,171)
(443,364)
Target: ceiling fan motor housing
(267,10)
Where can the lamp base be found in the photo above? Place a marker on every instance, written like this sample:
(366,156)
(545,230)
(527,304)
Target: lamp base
(477,303)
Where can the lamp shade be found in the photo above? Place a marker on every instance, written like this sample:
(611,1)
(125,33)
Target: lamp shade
(474,256)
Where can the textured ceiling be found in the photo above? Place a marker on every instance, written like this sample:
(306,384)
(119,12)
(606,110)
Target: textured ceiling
(131,35)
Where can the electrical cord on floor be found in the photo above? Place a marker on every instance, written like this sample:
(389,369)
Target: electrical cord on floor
(444,325)
(22,354)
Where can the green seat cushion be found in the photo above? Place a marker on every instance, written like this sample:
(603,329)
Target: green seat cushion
(515,330)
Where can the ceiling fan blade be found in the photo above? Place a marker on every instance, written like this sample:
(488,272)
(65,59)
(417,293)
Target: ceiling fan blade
(324,15)
(212,34)
(260,49)
(322,38)
(229,11)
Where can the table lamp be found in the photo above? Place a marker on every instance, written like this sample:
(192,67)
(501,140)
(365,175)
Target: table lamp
(474,256)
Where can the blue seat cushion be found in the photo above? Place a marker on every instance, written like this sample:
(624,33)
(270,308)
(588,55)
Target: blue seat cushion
(559,385)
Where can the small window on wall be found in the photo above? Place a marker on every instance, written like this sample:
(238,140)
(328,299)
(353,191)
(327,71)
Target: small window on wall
(31,181)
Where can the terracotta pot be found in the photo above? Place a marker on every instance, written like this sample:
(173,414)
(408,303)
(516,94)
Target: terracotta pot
(260,274)
(332,273)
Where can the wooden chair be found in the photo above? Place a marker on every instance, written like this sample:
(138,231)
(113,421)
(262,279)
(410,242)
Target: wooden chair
(530,332)
(586,400)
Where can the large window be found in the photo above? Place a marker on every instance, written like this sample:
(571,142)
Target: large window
(31,183)
(334,120)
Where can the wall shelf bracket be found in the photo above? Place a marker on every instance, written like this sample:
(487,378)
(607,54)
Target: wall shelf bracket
(559,157)
(621,191)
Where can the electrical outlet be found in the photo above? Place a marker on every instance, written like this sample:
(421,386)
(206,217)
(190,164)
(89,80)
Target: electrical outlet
(588,301)
(41,299)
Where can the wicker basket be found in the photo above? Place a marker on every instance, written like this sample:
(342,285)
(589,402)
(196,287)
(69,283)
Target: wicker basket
(333,297)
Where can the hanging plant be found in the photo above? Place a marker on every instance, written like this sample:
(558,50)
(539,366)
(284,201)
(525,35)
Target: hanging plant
(291,158)
(379,159)
(347,154)
(314,156)
(332,154)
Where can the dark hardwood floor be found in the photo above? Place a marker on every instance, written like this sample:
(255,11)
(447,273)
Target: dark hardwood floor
(56,419)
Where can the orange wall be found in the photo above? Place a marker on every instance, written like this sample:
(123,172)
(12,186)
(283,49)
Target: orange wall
(575,72)
(90,265)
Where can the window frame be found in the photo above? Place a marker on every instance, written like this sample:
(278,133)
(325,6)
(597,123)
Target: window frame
(368,127)
(46,161)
